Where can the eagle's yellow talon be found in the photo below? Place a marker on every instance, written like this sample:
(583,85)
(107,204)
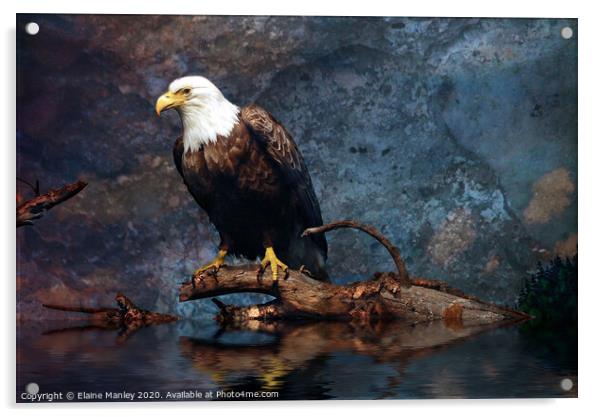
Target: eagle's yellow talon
(215,264)
(271,259)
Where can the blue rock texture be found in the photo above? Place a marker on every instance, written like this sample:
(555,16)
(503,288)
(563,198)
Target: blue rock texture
(457,138)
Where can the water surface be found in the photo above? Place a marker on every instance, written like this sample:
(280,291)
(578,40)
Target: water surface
(301,361)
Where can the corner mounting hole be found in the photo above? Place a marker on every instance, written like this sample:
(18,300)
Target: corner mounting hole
(32,388)
(566,384)
(566,32)
(32,28)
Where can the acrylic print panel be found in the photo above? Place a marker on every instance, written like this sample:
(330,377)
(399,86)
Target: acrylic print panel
(167,161)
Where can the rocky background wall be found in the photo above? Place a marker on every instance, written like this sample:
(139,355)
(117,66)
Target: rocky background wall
(455,137)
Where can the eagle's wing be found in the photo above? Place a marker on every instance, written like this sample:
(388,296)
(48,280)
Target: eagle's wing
(282,149)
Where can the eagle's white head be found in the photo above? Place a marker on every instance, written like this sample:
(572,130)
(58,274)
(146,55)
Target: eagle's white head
(205,112)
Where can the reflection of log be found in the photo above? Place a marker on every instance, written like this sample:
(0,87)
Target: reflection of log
(294,346)
(386,295)
(34,209)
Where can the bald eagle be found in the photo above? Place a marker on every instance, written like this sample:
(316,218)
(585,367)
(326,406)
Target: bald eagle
(244,169)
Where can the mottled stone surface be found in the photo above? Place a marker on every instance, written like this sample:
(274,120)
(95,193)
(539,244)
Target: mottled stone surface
(455,137)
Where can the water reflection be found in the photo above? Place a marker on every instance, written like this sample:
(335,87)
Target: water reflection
(299,361)
(123,333)
(295,346)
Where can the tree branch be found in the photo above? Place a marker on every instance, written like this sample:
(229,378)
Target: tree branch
(127,313)
(36,207)
(402,272)
(385,296)
(34,188)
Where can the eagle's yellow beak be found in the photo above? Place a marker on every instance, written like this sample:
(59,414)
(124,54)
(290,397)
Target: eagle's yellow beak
(169,100)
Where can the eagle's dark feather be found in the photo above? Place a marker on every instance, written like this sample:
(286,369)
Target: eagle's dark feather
(257,191)
(283,150)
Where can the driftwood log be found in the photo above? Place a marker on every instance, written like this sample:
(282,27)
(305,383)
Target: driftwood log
(127,318)
(36,207)
(127,314)
(384,296)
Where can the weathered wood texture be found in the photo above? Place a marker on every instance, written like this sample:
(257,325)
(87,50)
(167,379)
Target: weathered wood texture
(36,207)
(385,296)
(300,296)
(126,314)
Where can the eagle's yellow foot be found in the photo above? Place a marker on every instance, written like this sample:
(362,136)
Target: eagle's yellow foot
(271,259)
(215,264)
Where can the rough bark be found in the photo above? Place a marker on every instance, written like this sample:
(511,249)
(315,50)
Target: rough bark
(36,207)
(385,296)
(382,297)
(127,314)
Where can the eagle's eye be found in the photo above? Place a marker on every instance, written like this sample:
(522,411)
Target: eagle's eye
(186,91)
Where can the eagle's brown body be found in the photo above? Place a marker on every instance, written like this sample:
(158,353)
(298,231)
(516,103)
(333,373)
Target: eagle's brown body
(256,189)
